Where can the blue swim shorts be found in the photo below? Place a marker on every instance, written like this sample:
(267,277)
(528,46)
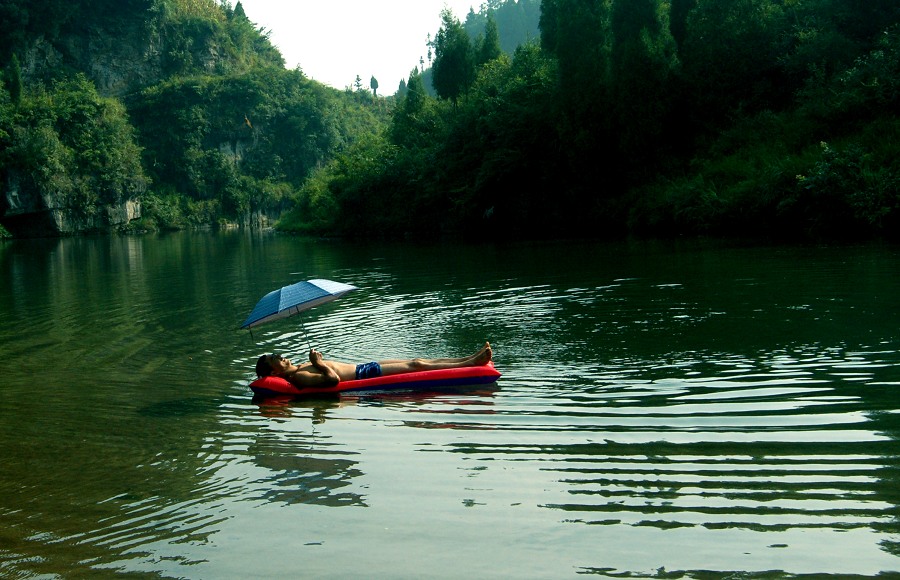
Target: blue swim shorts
(368,370)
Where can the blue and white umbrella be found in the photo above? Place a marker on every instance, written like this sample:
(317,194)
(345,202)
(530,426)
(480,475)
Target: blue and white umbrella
(294,299)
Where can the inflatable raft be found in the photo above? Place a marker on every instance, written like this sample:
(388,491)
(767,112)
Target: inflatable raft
(419,380)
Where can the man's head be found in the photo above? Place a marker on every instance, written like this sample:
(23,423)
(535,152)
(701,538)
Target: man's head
(269,364)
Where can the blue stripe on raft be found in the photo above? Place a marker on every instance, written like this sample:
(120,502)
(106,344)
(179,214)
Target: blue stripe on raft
(481,375)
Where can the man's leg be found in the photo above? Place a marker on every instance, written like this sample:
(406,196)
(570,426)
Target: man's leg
(396,367)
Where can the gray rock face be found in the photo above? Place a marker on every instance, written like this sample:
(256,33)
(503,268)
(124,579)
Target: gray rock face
(47,215)
(120,62)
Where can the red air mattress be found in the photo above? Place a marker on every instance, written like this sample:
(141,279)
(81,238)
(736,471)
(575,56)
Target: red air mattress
(481,375)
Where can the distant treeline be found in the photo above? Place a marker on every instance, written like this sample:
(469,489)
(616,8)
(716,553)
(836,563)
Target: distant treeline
(612,118)
(680,117)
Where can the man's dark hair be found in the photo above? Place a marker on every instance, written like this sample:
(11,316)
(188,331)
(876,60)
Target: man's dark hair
(263,368)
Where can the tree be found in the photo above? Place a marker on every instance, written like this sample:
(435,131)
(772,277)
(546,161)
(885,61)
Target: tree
(14,80)
(549,26)
(76,148)
(454,68)
(373,83)
(678,15)
(489,48)
(517,22)
(407,124)
(503,150)
(730,56)
(415,94)
(578,34)
(643,64)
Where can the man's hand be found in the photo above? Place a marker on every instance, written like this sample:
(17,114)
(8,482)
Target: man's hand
(321,375)
(318,361)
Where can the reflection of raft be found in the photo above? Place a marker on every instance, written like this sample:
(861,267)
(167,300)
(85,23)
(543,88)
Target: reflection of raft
(442,379)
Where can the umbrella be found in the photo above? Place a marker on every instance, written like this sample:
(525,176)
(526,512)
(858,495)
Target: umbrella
(294,299)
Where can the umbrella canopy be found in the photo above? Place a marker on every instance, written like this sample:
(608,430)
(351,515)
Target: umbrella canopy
(294,299)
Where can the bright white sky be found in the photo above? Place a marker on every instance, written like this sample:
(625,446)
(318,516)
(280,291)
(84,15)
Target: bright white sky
(333,41)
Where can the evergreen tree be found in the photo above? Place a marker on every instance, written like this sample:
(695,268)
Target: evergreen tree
(239,11)
(454,68)
(578,34)
(678,15)
(549,26)
(489,49)
(415,94)
(373,83)
(406,126)
(642,66)
(732,59)
(14,80)
(517,22)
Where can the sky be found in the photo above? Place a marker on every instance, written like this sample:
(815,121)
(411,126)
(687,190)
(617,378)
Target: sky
(333,41)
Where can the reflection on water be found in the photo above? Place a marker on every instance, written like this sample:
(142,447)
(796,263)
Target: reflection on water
(692,411)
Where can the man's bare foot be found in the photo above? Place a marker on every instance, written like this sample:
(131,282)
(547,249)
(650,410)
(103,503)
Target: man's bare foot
(487,346)
(483,356)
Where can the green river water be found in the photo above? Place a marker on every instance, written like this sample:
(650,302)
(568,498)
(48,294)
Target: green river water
(672,410)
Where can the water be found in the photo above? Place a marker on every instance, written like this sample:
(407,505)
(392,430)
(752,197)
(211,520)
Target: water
(687,410)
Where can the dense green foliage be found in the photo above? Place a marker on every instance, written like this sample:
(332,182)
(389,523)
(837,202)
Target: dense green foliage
(516,22)
(14,80)
(239,143)
(445,167)
(751,117)
(756,117)
(454,59)
(71,143)
(221,133)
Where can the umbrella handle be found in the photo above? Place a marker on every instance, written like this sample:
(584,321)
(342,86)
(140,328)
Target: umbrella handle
(306,334)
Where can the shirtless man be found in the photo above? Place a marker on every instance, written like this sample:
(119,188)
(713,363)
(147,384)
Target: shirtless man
(321,373)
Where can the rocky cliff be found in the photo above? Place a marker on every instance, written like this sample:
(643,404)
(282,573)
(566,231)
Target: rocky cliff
(120,56)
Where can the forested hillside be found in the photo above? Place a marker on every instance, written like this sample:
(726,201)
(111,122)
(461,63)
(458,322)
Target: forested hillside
(774,118)
(728,117)
(148,114)
(516,22)
(508,24)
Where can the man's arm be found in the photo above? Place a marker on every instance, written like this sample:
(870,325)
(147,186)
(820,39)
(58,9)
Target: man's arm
(318,361)
(320,374)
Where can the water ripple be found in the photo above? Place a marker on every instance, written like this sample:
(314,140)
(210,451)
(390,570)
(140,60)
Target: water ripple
(673,414)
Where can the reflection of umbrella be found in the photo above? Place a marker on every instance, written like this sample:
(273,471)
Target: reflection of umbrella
(294,299)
